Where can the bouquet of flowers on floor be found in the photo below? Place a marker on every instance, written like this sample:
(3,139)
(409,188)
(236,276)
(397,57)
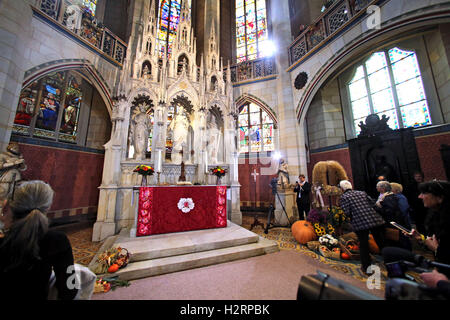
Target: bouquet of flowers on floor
(112,260)
(329,241)
(338,218)
(103,285)
(144,170)
(329,247)
(218,171)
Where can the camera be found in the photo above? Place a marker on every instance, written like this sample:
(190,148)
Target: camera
(274,185)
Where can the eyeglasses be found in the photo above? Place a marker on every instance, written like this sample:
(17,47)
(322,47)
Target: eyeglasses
(438,183)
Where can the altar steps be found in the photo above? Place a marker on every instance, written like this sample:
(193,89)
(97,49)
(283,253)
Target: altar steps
(166,253)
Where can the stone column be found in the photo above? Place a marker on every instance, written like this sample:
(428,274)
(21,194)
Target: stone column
(106,215)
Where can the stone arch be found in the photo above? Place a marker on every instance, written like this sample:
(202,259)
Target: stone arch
(183,87)
(142,91)
(246,98)
(360,46)
(73,64)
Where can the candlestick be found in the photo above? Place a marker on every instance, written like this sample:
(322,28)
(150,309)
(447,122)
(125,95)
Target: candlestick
(158,167)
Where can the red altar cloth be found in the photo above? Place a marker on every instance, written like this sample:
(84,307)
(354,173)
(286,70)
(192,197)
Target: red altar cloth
(181,208)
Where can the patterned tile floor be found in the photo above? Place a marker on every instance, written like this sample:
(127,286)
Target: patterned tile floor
(84,249)
(82,246)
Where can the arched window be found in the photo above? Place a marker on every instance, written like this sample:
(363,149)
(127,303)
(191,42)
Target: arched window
(91,5)
(62,106)
(389,83)
(256,129)
(168,19)
(251,29)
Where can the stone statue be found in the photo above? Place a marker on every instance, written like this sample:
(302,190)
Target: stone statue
(146,74)
(214,141)
(73,22)
(283,174)
(139,132)
(179,125)
(11,163)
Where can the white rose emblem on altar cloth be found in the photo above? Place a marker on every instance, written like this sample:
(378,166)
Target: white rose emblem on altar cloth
(186,204)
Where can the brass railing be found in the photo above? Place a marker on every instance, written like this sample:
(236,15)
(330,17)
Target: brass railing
(88,28)
(334,19)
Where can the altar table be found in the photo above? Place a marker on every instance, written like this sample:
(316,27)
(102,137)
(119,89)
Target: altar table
(169,209)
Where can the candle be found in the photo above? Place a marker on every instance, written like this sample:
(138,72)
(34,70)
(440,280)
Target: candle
(159,162)
(206,161)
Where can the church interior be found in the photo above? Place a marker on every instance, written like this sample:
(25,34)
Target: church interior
(126,107)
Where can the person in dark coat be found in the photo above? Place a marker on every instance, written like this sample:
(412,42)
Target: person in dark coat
(358,206)
(303,190)
(436,198)
(419,212)
(388,207)
(29,251)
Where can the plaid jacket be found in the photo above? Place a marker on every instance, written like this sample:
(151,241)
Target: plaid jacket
(359,209)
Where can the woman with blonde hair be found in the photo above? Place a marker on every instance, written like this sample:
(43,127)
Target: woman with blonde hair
(30,251)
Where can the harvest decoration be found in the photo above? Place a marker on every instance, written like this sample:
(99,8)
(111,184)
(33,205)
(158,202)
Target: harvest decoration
(144,170)
(112,260)
(218,171)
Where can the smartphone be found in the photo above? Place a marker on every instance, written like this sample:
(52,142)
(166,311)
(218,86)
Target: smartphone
(395,224)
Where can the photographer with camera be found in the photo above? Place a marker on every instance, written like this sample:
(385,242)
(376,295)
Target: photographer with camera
(303,190)
(436,198)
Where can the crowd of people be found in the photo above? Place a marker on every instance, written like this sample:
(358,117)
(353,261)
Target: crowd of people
(422,210)
(425,222)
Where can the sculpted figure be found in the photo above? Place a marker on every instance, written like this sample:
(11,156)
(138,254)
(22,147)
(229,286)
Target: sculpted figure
(11,163)
(283,174)
(139,132)
(179,126)
(214,141)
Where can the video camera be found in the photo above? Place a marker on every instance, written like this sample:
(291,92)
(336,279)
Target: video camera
(274,185)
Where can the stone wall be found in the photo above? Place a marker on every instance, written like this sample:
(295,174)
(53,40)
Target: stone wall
(324,119)
(99,130)
(437,44)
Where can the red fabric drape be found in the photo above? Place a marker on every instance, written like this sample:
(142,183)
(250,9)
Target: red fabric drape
(158,210)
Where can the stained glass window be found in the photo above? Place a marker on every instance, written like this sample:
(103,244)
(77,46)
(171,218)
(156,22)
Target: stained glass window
(168,19)
(50,107)
(91,5)
(251,29)
(256,129)
(389,83)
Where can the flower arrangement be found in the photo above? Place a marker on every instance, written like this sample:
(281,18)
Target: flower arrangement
(107,284)
(337,216)
(112,260)
(218,171)
(329,241)
(316,216)
(144,170)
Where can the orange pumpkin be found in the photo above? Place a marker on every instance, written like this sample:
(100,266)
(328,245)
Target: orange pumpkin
(113,268)
(303,231)
(345,256)
(373,247)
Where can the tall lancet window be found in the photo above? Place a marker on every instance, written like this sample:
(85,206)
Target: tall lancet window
(91,5)
(168,20)
(256,129)
(251,30)
(389,83)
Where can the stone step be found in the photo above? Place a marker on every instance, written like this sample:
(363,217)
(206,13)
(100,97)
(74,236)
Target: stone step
(158,266)
(180,243)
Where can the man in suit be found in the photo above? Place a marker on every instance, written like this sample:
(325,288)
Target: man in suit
(303,190)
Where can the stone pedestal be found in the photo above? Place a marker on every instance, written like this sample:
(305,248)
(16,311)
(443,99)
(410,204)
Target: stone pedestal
(287,199)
